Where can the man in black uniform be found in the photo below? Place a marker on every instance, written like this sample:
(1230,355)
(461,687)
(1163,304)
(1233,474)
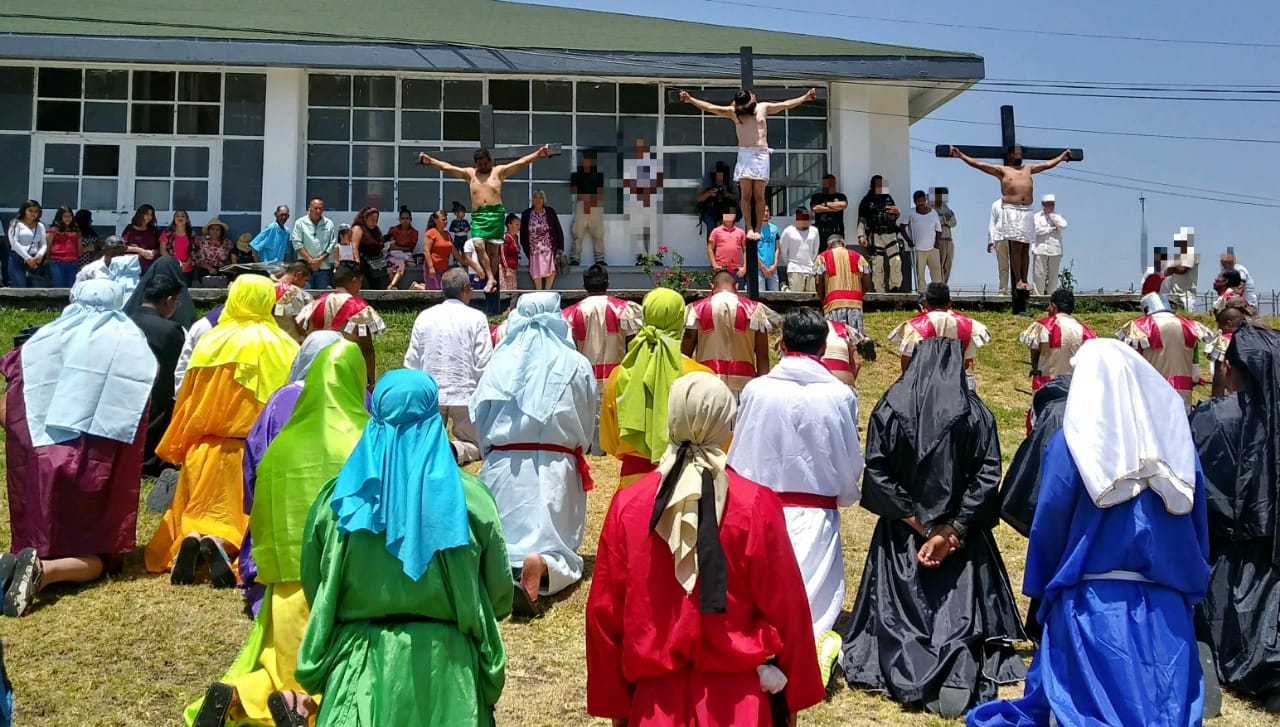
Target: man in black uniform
(828,211)
(878,214)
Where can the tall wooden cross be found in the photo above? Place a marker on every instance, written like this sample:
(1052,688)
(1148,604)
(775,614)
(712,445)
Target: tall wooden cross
(488,140)
(1009,140)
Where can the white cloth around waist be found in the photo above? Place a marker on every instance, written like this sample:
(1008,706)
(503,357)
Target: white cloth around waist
(1017,223)
(753,163)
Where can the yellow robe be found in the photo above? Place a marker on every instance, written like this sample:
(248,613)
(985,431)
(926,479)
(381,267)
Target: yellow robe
(612,443)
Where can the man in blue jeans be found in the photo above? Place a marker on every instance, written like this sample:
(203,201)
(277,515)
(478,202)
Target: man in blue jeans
(767,253)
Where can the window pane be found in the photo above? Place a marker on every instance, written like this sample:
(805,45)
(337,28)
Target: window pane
(420,195)
(409,166)
(112,85)
(16,86)
(557,196)
(553,168)
(719,131)
(674,107)
(329,125)
(15,149)
(373,125)
(372,193)
(202,120)
(199,86)
(420,125)
(191,161)
(107,117)
(516,196)
(246,88)
(509,95)
(638,127)
(553,129)
(58,116)
(452,190)
(797,196)
(814,109)
(154,192)
(62,159)
(417,93)
(597,97)
(334,192)
(149,118)
(99,194)
(524,173)
(191,195)
(461,126)
(683,165)
(680,201)
(373,161)
(58,192)
(246,104)
(325,90)
(154,161)
(597,131)
(511,128)
(777,131)
(638,98)
(552,95)
(682,132)
(375,91)
(778,166)
(462,95)
(242,174)
(807,134)
(101,160)
(153,85)
(807,167)
(60,83)
(327,160)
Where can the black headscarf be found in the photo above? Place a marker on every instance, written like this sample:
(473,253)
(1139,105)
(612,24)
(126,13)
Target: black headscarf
(1254,355)
(185,314)
(931,396)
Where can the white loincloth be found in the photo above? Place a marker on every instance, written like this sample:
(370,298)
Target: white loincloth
(753,163)
(1017,223)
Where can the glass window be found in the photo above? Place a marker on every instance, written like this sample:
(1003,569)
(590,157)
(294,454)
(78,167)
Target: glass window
(461,125)
(154,192)
(191,161)
(62,159)
(674,107)
(373,125)
(154,85)
(16,86)
(463,95)
(638,98)
(57,192)
(558,197)
(813,109)
(329,125)
(597,98)
(106,85)
(328,160)
(508,95)
(58,116)
(373,161)
(420,125)
(683,165)
(511,129)
(60,83)
(553,168)
(201,120)
(191,194)
(553,129)
(409,166)
(336,193)
(418,93)
(719,131)
(638,127)
(516,197)
(682,131)
(150,118)
(246,88)
(601,131)
(680,201)
(372,193)
(101,160)
(241,174)
(453,190)
(106,117)
(99,194)
(246,104)
(325,90)
(807,167)
(553,96)
(420,195)
(15,149)
(375,91)
(153,161)
(777,132)
(200,87)
(806,134)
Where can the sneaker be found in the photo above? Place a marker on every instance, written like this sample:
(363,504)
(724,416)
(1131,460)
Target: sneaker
(184,566)
(221,575)
(829,643)
(24,584)
(7,562)
(214,709)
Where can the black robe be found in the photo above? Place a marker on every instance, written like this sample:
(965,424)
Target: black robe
(1238,438)
(185,314)
(166,339)
(933,452)
(1022,481)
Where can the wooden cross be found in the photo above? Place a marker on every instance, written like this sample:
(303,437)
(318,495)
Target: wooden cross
(1008,138)
(488,140)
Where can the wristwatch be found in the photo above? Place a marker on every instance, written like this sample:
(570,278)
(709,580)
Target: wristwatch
(961,530)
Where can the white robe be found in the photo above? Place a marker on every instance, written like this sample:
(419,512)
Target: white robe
(797,431)
(539,494)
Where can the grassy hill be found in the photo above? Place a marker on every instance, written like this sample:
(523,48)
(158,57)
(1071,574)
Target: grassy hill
(133,650)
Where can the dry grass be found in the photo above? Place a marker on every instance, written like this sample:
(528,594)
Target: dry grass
(133,650)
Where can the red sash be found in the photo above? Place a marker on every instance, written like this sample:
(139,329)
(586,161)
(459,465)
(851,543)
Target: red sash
(352,306)
(633,465)
(602,371)
(835,364)
(577,321)
(584,469)
(964,328)
(1181,383)
(725,367)
(808,499)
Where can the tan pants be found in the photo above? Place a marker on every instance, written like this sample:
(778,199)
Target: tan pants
(584,224)
(931,259)
(1002,262)
(880,242)
(801,282)
(1044,273)
(947,252)
(463,437)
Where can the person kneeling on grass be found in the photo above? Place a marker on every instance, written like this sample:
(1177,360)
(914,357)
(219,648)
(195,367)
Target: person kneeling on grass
(75,421)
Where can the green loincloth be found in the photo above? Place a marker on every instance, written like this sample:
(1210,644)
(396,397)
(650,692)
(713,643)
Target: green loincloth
(489,222)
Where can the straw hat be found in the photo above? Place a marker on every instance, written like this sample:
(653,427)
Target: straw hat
(215,222)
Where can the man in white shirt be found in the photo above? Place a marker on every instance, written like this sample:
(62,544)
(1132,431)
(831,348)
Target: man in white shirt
(451,342)
(1047,248)
(999,246)
(642,197)
(921,228)
(1183,272)
(1228,262)
(798,249)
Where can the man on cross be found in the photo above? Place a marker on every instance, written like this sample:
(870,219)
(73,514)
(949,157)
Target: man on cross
(1017,218)
(488,216)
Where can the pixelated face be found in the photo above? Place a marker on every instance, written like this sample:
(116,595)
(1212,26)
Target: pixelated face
(1227,260)
(728,219)
(802,221)
(484,165)
(1014,157)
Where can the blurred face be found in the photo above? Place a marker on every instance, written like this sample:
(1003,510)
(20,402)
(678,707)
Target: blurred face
(371,219)
(282,215)
(1227,260)
(728,220)
(642,148)
(461,214)
(829,184)
(1015,156)
(1219,284)
(67,217)
(484,166)
(438,221)
(939,198)
(33,214)
(921,202)
(1049,207)
(802,222)
(181,219)
(539,199)
(767,214)
(588,162)
(406,219)
(148,217)
(315,210)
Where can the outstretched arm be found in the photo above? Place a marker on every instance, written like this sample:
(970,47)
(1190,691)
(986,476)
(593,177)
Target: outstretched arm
(446,167)
(809,95)
(1045,166)
(991,169)
(506,170)
(725,111)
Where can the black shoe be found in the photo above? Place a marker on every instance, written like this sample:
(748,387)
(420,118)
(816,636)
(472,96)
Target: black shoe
(282,713)
(524,609)
(184,566)
(574,262)
(7,563)
(23,584)
(221,574)
(950,703)
(217,703)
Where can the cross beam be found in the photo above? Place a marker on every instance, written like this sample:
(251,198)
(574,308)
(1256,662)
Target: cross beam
(488,140)
(1008,140)
(746,76)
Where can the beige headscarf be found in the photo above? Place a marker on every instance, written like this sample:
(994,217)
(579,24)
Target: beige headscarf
(700,416)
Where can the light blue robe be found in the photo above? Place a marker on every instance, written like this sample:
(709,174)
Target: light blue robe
(271,244)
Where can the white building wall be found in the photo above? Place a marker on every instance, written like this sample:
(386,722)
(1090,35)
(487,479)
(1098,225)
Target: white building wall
(870,134)
(285,142)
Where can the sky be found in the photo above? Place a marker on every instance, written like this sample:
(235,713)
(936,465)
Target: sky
(1103,214)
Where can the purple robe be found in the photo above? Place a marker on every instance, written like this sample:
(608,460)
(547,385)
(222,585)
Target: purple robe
(274,414)
(76,498)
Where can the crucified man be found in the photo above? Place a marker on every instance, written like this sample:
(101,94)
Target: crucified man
(752,170)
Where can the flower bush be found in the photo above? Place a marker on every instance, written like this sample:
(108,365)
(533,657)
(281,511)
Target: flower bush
(672,275)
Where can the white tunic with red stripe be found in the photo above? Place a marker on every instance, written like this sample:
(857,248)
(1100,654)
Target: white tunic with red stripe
(1170,343)
(727,325)
(843,270)
(600,326)
(1057,338)
(841,342)
(941,324)
(341,312)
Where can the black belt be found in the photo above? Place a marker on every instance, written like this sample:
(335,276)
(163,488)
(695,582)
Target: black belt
(400,619)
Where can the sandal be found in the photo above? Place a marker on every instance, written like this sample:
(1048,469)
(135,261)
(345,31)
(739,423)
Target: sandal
(221,574)
(24,584)
(217,703)
(284,713)
(184,566)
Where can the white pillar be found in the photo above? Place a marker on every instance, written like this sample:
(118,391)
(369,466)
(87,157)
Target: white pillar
(284,143)
(890,140)
(850,142)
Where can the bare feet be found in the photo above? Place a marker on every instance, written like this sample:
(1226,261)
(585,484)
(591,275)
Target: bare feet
(753,235)
(531,574)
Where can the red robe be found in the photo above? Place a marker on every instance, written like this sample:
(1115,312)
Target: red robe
(654,659)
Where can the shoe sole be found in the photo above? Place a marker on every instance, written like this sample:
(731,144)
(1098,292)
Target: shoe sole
(220,573)
(23,586)
(283,715)
(7,562)
(217,703)
(184,566)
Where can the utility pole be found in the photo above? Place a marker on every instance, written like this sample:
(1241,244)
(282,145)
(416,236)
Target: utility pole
(1142,252)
